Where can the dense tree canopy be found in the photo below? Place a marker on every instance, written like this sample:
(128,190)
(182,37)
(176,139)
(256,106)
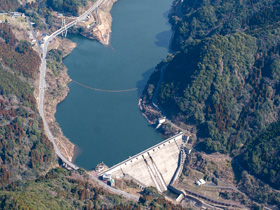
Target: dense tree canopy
(8,5)
(223,77)
(66,6)
(29,176)
(18,56)
(262,155)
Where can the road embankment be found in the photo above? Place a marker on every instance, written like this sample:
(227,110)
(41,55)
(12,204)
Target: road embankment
(56,91)
(57,81)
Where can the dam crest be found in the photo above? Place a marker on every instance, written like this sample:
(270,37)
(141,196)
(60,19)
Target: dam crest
(157,166)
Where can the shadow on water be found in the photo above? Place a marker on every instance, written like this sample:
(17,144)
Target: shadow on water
(140,87)
(163,38)
(142,83)
(165,15)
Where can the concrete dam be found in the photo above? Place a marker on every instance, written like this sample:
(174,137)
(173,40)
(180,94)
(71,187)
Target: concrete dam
(157,166)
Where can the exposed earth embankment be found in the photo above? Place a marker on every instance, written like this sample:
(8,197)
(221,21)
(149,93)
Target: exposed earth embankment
(57,78)
(98,24)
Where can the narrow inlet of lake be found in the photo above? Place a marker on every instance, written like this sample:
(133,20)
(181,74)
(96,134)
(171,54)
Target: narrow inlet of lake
(108,126)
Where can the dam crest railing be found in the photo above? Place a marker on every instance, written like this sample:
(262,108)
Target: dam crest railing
(141,153)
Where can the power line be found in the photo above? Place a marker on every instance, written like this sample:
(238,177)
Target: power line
(102,90)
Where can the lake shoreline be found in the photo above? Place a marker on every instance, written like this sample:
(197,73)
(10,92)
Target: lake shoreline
(56,93)
(126,62)
(54,97)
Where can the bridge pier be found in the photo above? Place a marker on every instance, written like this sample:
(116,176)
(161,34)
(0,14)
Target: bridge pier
(63,25)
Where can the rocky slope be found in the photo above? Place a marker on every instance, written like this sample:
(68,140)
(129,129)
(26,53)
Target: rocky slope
(98,24)
(102,31)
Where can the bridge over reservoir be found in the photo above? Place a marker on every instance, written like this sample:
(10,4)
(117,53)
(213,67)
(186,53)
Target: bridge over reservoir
(156,166)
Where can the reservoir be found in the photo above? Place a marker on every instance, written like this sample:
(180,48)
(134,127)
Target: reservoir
(108,126)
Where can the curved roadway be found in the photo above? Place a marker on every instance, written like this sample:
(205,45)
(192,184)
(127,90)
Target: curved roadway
(114,190)
(43,81)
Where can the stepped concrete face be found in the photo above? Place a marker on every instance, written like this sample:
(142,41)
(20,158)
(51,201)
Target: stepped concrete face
(153,167)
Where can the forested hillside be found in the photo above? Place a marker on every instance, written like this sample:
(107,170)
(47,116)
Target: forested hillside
(8,5)
(262,155)
(223,78)
(66,6)
(25,152)
(30,175)
(27,180)
(16,55)
(60,189)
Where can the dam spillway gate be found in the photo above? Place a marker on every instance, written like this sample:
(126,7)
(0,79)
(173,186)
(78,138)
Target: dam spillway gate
(157,166)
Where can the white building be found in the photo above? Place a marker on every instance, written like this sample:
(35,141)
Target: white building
(200,182)
(161,120)
(106,177)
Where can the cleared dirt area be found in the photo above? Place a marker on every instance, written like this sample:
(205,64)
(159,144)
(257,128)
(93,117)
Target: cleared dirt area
(217,171)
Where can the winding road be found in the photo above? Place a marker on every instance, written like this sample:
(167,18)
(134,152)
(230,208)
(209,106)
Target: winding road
(114,190)
(43,81)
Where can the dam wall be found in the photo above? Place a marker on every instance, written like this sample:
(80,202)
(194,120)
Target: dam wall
(152,167)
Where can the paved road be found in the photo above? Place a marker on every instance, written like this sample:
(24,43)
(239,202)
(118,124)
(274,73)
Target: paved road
(154,100)
(43,81)
(218,202)
(74,22)
(34,35)
(124,194)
